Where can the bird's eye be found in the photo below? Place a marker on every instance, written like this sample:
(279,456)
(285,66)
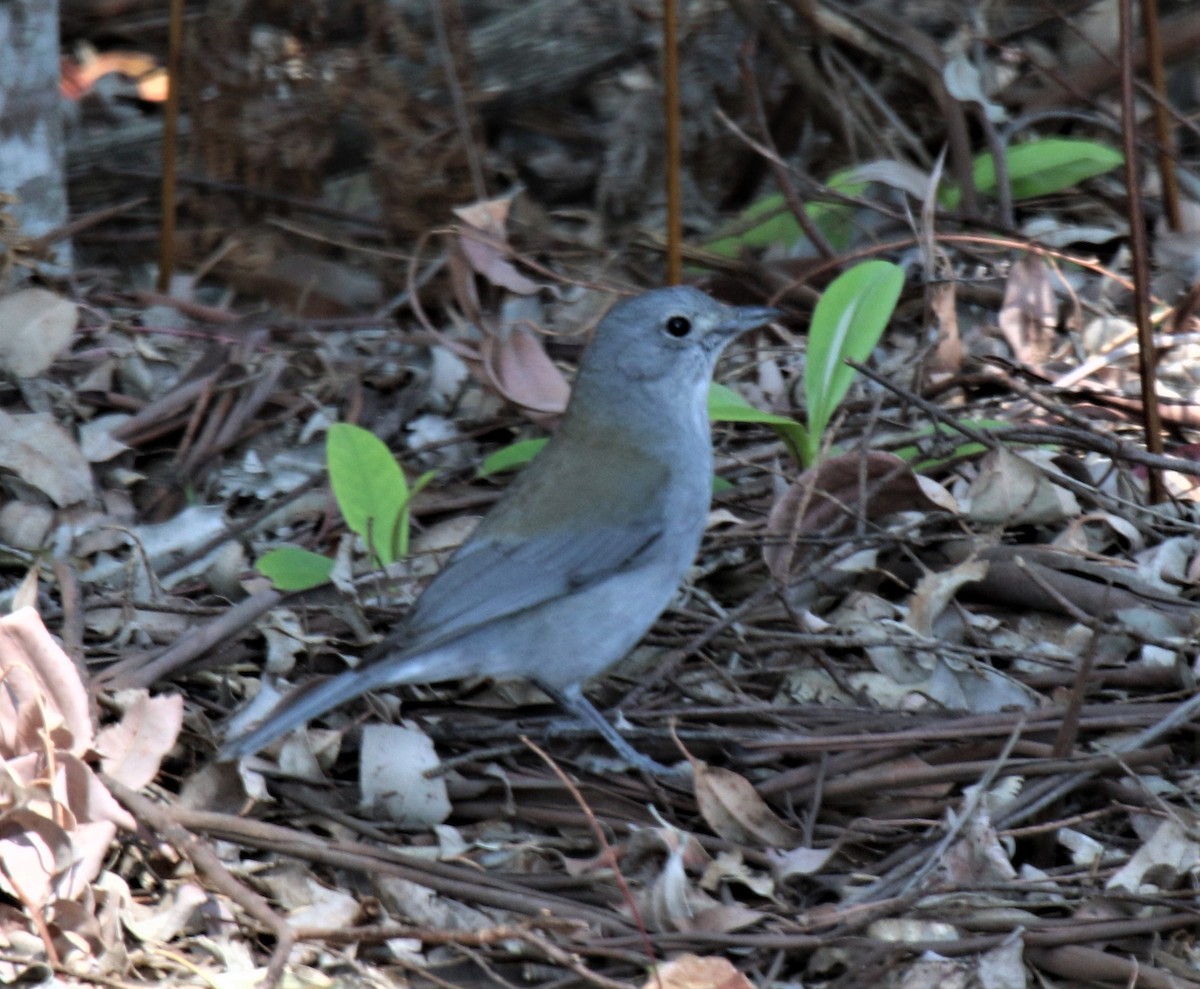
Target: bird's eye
(679,326)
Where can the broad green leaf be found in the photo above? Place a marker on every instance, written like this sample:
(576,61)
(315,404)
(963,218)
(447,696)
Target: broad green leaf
(1040,168)
(370,489)
(768,222)
(511,457)
(726,405)
(291,568)
(847,323)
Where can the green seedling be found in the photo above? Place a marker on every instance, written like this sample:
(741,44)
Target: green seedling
(769,223)
(846,325)
(374,498)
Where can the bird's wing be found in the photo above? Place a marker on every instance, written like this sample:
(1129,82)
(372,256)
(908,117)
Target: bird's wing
(491,579)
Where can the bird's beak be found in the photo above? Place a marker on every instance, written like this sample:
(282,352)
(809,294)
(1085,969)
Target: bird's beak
(743,318)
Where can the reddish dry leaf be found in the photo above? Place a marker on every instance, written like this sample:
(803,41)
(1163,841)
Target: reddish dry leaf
(1029,313)
(510,358)
(518,367)
(133,748)
(977,857)
(826,499)
(484,243)
(41,689)
(732,808)
(57,820)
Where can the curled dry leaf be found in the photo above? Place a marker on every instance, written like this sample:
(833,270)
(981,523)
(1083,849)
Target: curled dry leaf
(518,368)
(828,498)
(1029,313)
(510,359)
(42,691)
(732,808)
(484,242)
(57,820)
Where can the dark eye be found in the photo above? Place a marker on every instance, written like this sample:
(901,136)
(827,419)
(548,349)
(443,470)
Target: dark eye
(679,326)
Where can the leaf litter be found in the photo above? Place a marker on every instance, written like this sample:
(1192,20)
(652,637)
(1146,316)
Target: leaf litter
(940,707)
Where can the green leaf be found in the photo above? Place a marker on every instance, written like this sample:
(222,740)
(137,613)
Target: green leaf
(847,324)
(511,457)
(370,489)
(291,568)
(726,405)
(965,448)
(1040,168)
(768,222)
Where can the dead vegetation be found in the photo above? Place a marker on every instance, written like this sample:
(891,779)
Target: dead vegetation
(937,693)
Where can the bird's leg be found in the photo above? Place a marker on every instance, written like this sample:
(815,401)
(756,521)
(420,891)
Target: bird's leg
(572,700)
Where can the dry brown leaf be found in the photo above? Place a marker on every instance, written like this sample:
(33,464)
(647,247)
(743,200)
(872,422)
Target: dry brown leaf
(1029,313)
(57,820)
(133,748)
(828,498)
(943,306)
(935,591)
(732,808)
(518,367)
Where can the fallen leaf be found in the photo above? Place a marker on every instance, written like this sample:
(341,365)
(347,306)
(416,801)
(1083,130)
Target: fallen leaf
(829,498)
(732,808)
(696,972)
(35,325)
(40,452)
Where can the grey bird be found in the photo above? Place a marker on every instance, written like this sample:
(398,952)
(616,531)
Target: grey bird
(587,546)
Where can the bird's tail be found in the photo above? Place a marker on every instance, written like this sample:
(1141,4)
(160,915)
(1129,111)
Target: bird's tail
(305,703)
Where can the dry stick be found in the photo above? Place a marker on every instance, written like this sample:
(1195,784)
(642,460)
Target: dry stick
(133,674)
(209,866)
(1163,134)
(1082,964)
(1038,796)
(524,932)
(170,147)
(456,60)
(1140,251)
(21,962)
(444,878)
(85,222)
(670,662)
(672,154)
(960,819)
(779,169)
(609,856)
(991,440)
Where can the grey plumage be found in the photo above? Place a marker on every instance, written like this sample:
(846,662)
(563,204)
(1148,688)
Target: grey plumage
(586,548)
